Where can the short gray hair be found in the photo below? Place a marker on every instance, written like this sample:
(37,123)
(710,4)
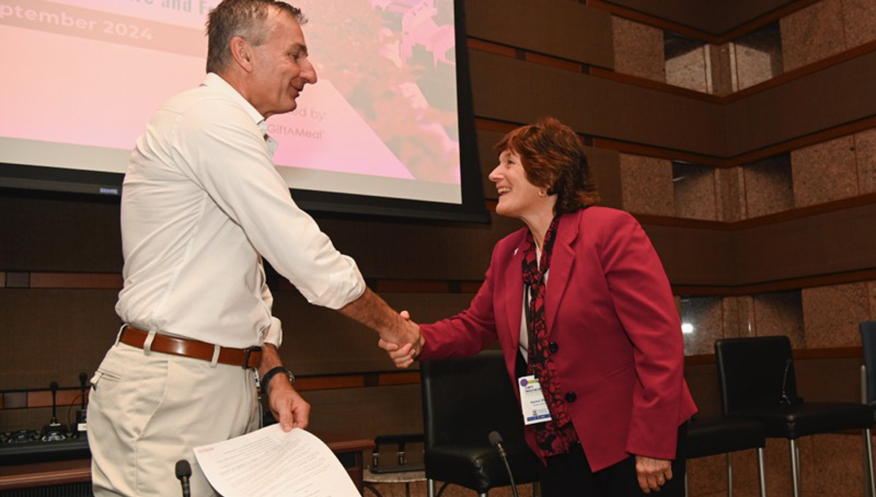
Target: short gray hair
(244,18)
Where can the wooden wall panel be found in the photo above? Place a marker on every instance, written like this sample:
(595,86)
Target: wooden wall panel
(826,243)
(714,17)
(367,412)
(831,97)
(560,28)
(78,325)
(46,232)
(489,159)
(354,412)
(693,256)
(20,419)
(417,249)
(321,341)
(54,335)
(829,379)
(72,235)
(512,90)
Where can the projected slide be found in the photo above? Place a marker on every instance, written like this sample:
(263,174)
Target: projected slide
(84,76)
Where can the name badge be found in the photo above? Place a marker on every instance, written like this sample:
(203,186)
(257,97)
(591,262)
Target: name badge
(535,408)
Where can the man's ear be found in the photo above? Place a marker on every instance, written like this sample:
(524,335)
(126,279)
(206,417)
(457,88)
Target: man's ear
(241,52)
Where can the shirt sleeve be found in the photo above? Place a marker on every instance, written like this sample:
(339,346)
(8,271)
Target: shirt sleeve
(225,154)
(274,333)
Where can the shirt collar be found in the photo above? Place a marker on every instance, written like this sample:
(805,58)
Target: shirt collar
(213,80)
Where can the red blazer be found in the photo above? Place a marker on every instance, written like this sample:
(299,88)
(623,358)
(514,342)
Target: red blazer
(610,311)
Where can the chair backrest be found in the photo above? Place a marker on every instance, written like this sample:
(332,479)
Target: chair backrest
(868,341)
(755,372)
(465,399)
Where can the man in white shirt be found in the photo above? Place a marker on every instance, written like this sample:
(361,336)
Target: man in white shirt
(201,205)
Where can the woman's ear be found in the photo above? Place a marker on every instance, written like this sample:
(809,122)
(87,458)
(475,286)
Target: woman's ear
(551,188)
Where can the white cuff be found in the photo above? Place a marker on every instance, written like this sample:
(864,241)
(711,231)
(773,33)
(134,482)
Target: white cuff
(344,287)
(274,336)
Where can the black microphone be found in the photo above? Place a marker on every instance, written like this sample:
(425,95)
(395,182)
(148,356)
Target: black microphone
(496,441)
(81,424)
(83,388)
(54,431)
(183,472)
(54,387)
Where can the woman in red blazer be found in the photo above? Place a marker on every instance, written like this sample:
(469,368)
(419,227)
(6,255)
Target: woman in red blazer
(580,304)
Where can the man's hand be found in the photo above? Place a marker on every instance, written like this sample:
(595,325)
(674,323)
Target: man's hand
(370,310)
(406,336)
(404,354)
(289,408)
(653,473)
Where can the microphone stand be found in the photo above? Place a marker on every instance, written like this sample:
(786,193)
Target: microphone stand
(496,441)
(54,431)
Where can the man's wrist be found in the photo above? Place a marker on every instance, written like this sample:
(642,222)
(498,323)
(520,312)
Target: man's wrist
(279,370)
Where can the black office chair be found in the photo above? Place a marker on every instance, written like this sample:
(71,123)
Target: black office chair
(868,375)
(713,436)
(758,382)
(868,370)
(463,401)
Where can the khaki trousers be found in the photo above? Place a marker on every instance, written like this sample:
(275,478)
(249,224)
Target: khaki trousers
(148,410)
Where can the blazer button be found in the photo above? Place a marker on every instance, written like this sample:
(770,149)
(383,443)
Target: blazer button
(571,396)
(553,347)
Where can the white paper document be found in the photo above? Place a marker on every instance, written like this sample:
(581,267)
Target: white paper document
(271,463)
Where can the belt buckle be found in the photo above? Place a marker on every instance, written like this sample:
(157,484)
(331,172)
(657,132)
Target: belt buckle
(249,351)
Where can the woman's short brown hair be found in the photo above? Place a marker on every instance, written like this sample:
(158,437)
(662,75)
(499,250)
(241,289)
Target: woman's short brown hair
(553,158)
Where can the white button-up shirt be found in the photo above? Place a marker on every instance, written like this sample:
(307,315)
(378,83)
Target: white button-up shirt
(201,204)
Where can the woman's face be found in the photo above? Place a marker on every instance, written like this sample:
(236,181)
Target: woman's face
(517,196)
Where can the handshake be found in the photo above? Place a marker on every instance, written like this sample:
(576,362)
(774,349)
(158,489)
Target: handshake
(405,344)
(399,336)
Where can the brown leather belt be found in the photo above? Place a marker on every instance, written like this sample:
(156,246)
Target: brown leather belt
(196,349)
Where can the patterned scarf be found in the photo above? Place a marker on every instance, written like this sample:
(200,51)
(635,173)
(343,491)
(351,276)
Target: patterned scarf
(555,436)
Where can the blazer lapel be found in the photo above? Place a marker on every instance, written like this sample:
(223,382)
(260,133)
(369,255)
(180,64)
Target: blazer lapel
(514,293)
(562,260)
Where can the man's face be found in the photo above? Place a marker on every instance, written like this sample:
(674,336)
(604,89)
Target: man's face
(280,66)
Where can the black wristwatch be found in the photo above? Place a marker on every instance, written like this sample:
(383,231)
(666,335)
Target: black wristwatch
(266,379)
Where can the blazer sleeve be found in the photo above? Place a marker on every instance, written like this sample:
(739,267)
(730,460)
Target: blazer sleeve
(468,332)
(643,300)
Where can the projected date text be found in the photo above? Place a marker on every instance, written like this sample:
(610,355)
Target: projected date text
(126,30)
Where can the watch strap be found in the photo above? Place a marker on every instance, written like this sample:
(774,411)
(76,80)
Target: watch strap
(266,379)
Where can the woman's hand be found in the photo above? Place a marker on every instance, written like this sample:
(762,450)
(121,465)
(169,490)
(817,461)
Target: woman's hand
(653,473)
